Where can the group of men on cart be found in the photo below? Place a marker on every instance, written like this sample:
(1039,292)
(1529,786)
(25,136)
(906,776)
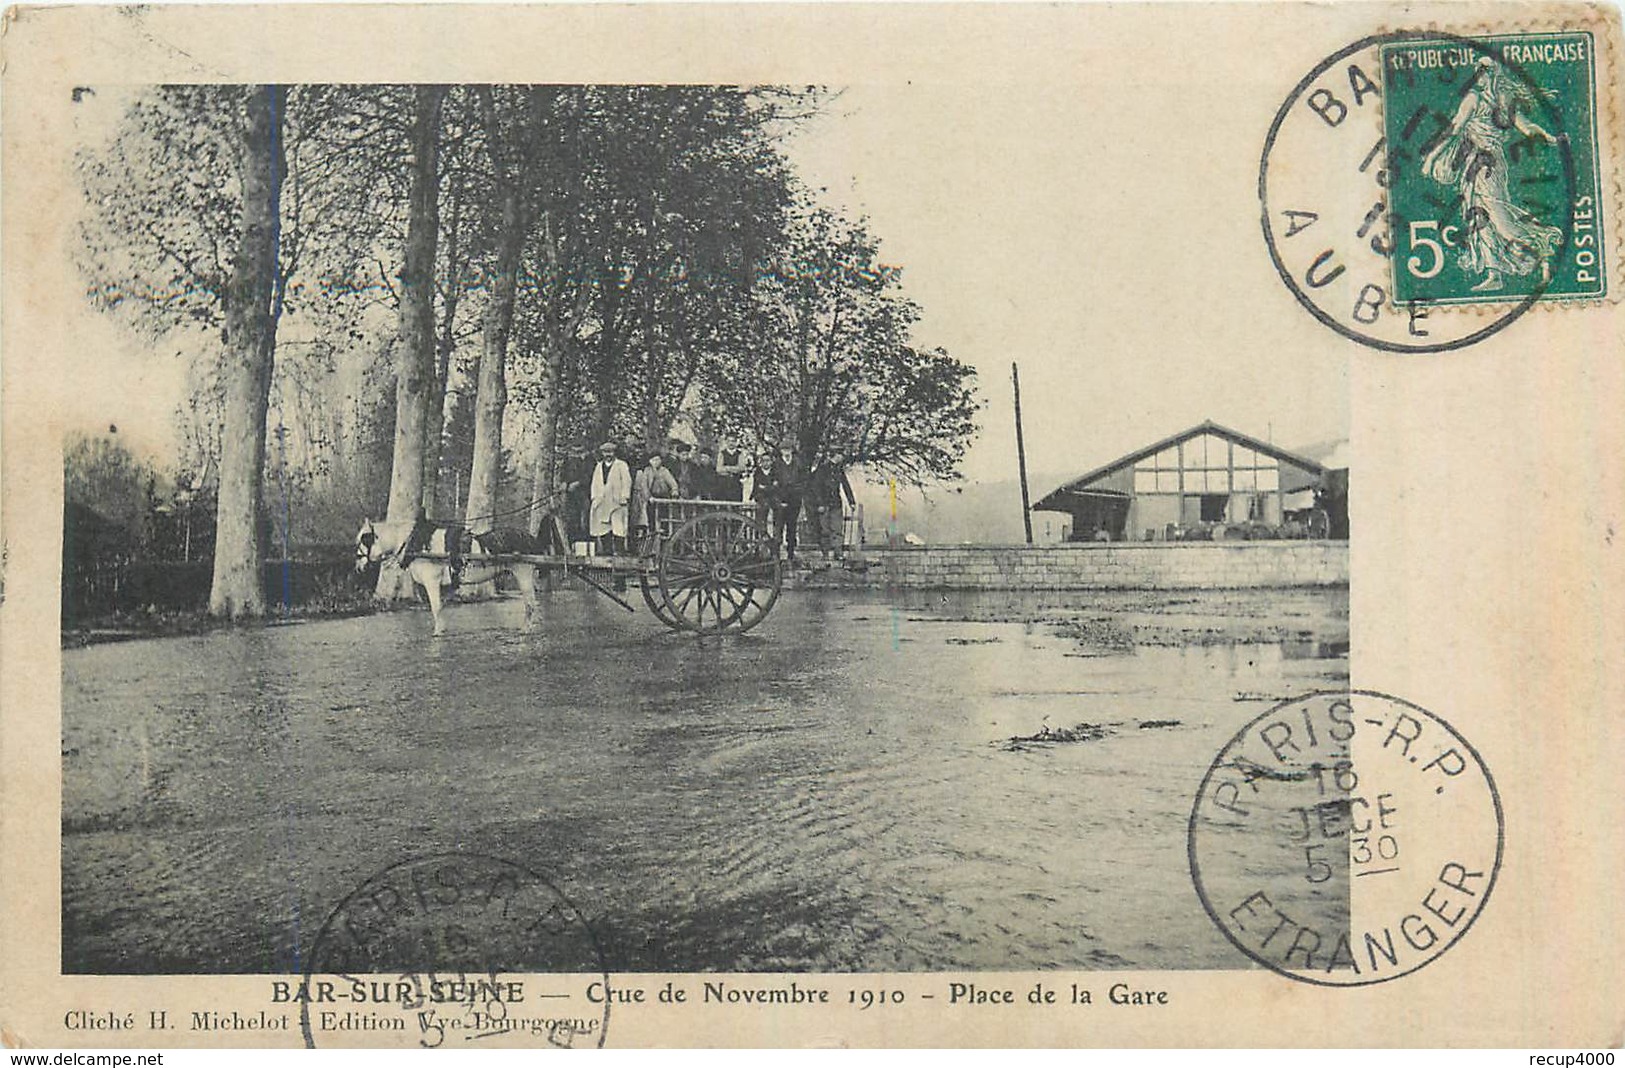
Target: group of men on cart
(610,503)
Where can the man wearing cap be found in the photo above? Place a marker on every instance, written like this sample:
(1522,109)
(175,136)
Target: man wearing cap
(787,480)
(760,489)
(682,466)
(733,464)
(577,477)
(652,482)
(826,489)
(704,482)
(611,493)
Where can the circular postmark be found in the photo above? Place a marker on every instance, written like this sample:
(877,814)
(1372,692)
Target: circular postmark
(1345,838)
(1419,191)
(445,950)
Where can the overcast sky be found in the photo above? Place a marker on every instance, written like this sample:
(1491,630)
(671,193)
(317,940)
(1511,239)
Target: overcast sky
(1097,241)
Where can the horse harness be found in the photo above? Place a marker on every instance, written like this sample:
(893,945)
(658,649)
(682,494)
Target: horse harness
(460,541)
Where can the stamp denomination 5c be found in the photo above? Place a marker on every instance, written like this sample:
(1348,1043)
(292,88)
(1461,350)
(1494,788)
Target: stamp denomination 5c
(1477,141)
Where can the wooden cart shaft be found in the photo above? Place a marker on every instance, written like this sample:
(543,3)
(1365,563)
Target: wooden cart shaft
(706,566)
(550,561)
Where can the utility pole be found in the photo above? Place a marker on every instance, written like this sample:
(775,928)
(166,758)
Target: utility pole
(1021,456)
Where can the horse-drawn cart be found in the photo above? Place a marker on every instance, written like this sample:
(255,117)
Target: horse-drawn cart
(706,567)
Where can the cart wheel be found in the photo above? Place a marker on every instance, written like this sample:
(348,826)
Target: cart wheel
(719,572)
(650,585)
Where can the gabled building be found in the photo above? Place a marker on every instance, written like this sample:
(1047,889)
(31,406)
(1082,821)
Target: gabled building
(1200,478)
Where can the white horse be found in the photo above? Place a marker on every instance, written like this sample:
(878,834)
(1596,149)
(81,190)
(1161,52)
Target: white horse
(387,542)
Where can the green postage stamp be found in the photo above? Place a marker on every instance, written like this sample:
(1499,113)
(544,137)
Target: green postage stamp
(1493,170)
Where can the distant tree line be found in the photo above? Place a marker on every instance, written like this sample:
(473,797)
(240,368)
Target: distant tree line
(419,297)
(139,511)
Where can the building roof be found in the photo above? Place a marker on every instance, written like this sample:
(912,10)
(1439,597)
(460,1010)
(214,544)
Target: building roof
(1331,455)
(1052,502)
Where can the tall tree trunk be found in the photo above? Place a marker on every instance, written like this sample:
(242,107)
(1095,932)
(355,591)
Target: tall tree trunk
(415,348)
(607,358)
(547,435)
(434,430)
(543,463)
(492,397)
(246,369)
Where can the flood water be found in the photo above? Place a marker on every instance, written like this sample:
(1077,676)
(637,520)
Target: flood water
(833,791)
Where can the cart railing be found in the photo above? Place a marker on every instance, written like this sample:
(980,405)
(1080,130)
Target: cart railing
(671,513)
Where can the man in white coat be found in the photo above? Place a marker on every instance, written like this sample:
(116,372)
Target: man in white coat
(611,490)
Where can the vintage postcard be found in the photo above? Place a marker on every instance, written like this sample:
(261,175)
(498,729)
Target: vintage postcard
(710,525)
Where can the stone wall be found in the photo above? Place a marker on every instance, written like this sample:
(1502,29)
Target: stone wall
(1112,566)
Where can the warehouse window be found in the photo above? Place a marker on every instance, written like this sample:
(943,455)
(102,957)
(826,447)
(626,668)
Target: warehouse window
(1209,465)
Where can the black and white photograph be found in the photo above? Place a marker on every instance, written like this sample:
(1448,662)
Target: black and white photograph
(604,490)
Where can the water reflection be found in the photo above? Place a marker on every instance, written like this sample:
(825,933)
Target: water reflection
(830,792)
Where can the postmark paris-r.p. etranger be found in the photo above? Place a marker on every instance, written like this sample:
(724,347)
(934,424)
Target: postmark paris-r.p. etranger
(1346,838)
